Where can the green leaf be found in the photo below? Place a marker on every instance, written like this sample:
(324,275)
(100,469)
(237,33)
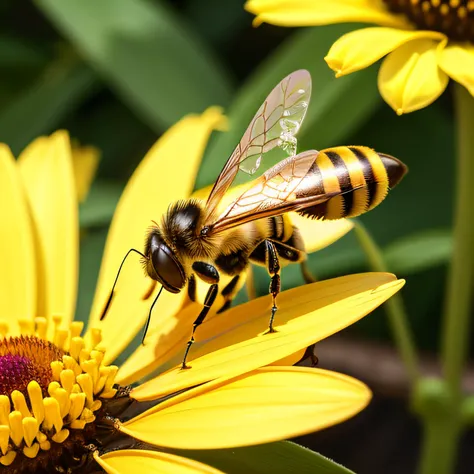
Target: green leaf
(337,106)
(18,54)
(40,109)
(423,140)
(100,205)
(419,251)
(156,64)
(281,457)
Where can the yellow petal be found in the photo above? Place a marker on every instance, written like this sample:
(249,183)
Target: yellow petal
(457,61)
(315,13)
(17,252)
(85,160)
(161,347)
(46,169)
(166,174)
(409,78)
(266,405)
(235,343)
(361,48)
(131,461)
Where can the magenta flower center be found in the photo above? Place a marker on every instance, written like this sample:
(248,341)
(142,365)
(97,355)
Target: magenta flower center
(23,359)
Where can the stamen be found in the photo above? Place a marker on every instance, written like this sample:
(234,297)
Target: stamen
(31,451)
(8,458)
(19,403)
(16,427)
(4,438)
(30,429)
(3,329)
(61,436)
(48,392)
(78,401)
(4,409)
(41,327)
(67,380)
(27,326)
(36,400)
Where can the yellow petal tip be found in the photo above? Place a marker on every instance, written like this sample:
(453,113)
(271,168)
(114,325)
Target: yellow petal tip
(399,111)
(215,116)
(334,65)
(256,22)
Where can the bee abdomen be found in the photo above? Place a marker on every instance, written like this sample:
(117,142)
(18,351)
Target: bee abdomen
(358,175)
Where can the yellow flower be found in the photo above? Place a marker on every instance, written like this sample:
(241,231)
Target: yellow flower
(426,42)
(63,406)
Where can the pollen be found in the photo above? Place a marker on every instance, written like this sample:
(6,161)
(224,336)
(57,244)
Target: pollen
(51,392)
(454,18)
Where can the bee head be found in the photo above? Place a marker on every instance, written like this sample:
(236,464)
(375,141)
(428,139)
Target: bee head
(162,263)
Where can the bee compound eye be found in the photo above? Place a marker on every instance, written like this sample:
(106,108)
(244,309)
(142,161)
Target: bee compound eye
(169,271)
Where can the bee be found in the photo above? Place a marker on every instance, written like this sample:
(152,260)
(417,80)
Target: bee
(194,240)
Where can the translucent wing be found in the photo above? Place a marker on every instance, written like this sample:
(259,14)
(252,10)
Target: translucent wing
(275,124)
(285,187)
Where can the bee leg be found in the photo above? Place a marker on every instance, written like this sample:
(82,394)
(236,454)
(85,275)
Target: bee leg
(250,284)
(308,277)
(273,267)
(309,354)
(209,300)
(228,293)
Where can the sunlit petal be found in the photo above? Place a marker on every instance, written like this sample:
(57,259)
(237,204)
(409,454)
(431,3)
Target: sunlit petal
(457,61)
(85,160)
(46,169)
(159,180)
(361,48)
(266,405)
(161,347)
(317,12)
(235,344)
(133,461)
(409,78)
(319,234)
(17,253)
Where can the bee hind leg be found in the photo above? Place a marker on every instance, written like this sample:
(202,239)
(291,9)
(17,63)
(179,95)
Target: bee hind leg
(308,276)
(273,267)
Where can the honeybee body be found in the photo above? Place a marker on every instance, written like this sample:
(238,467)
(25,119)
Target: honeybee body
(195,241)
(358,177)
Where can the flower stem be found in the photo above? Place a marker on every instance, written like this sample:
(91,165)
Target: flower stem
(455,331)
(395,307)
(437,455)
(443,429)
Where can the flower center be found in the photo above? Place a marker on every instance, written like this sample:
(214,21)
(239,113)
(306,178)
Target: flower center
(23,359)
(53,397)
(454,18)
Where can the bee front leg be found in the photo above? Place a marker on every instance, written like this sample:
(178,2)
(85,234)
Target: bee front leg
(209,274)
(209,300)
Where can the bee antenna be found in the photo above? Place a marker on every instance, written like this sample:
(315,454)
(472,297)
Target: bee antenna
(109,300)
(149,315)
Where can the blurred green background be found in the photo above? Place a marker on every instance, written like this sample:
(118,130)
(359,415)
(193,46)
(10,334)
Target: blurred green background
(118,73)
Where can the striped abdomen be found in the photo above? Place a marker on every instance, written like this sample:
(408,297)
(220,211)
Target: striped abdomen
(361,176)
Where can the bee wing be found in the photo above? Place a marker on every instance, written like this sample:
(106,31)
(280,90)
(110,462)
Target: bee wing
(275,124)
(283,188)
